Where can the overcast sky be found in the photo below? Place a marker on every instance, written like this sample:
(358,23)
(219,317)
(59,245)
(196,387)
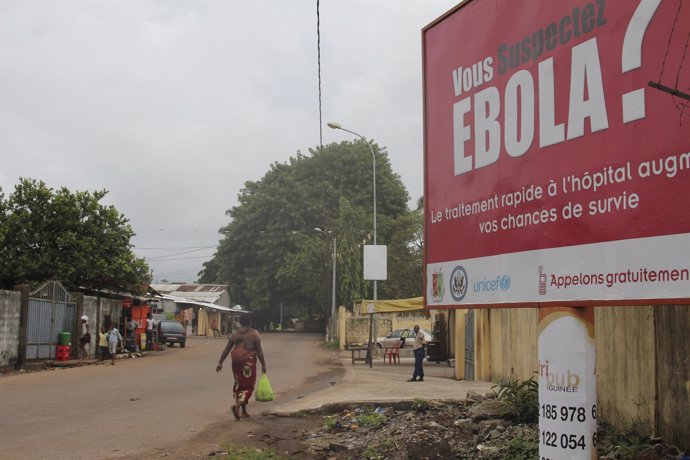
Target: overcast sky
(172,106)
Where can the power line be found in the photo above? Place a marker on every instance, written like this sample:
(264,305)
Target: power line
(159,259)
(175,248)
(318,59)
(181,253)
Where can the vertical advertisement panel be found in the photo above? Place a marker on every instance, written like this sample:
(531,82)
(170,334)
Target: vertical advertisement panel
(557,153)
(567,384)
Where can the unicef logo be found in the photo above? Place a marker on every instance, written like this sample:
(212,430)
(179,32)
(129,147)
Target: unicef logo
(505,282)
(458,283)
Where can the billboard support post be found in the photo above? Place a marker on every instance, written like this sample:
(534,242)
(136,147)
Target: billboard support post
(567,383)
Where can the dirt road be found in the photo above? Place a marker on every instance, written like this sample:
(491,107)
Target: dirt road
(150,404)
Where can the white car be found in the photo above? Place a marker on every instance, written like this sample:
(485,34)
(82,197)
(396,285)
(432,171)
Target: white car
(399,334)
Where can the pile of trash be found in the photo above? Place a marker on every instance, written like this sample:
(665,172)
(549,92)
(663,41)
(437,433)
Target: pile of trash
(471,429)
(420,430)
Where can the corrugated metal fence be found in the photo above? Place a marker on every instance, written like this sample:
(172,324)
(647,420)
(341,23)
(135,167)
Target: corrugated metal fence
(50,312)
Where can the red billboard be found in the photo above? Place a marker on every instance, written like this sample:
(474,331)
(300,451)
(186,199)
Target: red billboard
(557,153)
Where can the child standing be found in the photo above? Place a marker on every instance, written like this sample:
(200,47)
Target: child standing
(103,343)
(113,337)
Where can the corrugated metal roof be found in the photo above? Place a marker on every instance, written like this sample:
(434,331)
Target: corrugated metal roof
(209,293)
(182,300)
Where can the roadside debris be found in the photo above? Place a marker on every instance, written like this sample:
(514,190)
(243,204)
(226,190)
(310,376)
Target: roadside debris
(473,429)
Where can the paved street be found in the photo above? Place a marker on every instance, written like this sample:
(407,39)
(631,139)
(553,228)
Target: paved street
(104,411)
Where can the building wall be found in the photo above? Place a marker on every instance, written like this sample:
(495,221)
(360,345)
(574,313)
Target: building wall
(354,329)
(224,299)
(10,303)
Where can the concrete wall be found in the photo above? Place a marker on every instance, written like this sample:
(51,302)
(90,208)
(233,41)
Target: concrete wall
(97,309)
(10,302)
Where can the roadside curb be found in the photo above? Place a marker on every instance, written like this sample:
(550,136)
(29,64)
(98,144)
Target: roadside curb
(89,362)
(39,366)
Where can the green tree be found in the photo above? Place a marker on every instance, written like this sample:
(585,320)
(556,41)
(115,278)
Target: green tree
(70,237)
(270,254)
(405,256)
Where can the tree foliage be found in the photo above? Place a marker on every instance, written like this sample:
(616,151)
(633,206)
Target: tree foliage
(66,236)
(271,254)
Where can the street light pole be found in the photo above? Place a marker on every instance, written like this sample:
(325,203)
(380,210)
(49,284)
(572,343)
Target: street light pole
(333,286)
(333,333)
(333,125)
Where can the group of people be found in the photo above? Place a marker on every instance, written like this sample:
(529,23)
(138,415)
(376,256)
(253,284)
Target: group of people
(131,337)
(109,338)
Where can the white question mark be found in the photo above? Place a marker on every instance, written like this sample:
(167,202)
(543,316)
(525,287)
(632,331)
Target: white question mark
(634,101)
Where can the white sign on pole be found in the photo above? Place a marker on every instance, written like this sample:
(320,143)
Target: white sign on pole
(567,385)
(376,262)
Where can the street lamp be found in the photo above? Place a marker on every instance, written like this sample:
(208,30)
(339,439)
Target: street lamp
(333,125)
(333,323)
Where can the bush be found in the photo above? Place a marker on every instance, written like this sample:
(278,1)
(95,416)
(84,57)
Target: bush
(521,398)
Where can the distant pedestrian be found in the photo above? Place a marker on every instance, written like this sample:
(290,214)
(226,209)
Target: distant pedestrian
(244,347)
(418,348)
(103,343)
(114,337)
(85,338)
(149,332)
(214,328)
(132,326)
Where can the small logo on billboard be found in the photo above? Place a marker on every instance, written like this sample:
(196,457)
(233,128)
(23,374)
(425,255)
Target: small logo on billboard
(542,281)
(499,283)
(437,286)
(458,283)
(505,282)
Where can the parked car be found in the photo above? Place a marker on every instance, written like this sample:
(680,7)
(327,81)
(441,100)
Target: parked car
(399,334)
(172,332)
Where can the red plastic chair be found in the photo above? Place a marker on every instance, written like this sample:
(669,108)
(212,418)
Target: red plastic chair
(393,353)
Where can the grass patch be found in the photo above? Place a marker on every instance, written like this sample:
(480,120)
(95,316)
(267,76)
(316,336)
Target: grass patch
(628,443)
(370,420)
(246,453)
(420,405)
(330,345)
(377,451)
(523,447)
(331,423)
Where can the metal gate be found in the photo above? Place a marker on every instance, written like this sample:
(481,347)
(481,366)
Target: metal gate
(469,345)
(50,312)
